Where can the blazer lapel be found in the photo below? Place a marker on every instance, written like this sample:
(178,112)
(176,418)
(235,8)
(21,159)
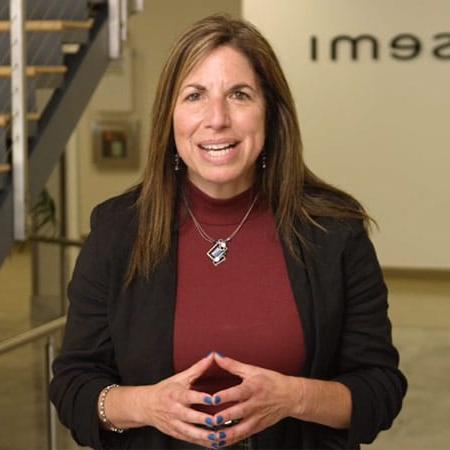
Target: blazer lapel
(145,314)
(163,313)
(307,289)
(322,291)
(301,288)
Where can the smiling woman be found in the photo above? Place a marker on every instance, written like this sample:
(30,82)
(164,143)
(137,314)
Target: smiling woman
(229,246)
(219,123)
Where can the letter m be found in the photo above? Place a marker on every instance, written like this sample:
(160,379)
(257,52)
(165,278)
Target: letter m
(354,45)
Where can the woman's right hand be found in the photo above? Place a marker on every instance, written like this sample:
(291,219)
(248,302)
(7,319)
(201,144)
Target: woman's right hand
(166,406)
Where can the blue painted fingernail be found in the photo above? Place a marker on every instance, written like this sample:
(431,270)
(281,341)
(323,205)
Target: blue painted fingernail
(222,435)
(210,353)
(219,420)
(217,399)
(215,445)
(222,443)
(212,437)
(209,422)
(208,400)
(220,354)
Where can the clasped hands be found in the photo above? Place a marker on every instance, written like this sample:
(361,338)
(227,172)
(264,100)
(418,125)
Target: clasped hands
(263,398)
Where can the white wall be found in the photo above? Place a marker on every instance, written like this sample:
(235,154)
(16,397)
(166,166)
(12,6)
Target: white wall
(378,129)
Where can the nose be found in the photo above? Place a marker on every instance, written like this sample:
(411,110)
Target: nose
(217,114)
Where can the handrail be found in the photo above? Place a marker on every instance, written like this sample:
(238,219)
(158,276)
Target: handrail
(46,330)
(32,335)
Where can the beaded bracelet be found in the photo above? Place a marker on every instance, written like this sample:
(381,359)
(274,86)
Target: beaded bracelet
(101,409)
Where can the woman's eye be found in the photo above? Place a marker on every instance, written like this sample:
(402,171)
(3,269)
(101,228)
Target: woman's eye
(240,95)
(193,97)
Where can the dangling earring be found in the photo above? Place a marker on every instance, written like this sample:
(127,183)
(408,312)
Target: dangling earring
(263,160)
(176,162)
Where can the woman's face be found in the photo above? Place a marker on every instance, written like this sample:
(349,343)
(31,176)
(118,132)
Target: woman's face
(219,121)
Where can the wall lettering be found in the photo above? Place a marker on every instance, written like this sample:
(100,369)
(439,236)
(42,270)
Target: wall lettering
(402,47)
(405,47)
(442,51)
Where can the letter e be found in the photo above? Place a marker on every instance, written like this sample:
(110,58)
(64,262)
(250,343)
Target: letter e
(405,47)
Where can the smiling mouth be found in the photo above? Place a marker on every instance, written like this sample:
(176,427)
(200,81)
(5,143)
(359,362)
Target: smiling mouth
(218,149)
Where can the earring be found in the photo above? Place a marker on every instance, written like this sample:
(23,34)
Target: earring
(176,162)
(264,160)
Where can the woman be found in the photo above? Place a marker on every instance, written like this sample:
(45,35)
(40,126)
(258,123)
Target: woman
(232,298)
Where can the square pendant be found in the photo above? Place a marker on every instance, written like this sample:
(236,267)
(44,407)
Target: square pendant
(218,252)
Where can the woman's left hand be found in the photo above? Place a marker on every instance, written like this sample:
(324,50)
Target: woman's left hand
(263,398)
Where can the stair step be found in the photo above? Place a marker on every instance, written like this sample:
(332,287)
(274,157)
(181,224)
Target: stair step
(5,119)
(43,48)
(45,76)
(50,25)
(50,9)
(35,71)
(45,40)
(5,168)
(76,31)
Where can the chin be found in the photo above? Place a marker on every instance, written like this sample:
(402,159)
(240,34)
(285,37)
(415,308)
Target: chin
(226,179)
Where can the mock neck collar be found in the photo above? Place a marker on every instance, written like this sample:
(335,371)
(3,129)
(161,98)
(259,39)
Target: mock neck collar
(218,211)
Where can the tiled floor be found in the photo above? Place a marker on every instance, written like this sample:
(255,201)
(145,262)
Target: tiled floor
(421,332)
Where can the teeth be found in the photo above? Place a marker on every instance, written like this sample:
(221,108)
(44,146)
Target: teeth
(217,147)
(219,153)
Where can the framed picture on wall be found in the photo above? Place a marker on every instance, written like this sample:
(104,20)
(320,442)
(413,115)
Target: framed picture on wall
(115,142)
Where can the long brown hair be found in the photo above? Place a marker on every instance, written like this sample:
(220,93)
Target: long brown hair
(291,190)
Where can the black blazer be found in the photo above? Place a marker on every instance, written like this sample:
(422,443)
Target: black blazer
(126,336)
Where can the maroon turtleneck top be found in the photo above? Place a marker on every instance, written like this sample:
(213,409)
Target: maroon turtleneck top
(243,308)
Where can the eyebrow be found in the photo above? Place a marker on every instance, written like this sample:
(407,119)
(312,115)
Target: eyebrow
(232,88)
(196,86)
(242,86)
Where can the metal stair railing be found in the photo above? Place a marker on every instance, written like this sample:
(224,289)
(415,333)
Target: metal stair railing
(91,62)
(118,23)
(66,24)
(18,77)
(46,330)
(18,113)
(42,49)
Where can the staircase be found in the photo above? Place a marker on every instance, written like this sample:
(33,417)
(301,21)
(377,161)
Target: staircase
(68,45)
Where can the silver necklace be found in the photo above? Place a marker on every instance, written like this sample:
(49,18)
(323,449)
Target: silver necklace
(218,252)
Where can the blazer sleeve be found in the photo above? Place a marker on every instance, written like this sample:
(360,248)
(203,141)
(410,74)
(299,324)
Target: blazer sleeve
(86,362)
(368,361)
